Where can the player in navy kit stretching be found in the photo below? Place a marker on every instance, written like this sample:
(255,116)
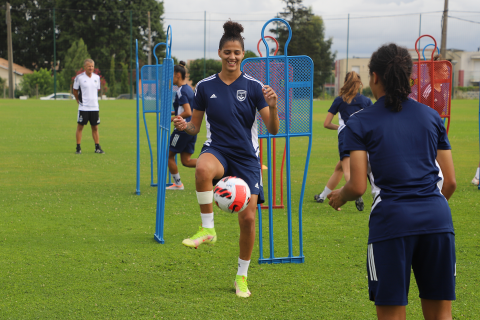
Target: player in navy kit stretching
(229,101)
(181,142)
(402,146)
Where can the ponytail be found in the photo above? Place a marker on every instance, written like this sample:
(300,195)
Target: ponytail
(351,86)
(393,65)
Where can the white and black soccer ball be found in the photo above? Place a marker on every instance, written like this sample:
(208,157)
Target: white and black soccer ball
(232,194)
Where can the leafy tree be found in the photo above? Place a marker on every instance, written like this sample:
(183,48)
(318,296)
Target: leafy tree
(308,38)
(105,28)
(124,78)
(111,78)
(73,62)
(195,69)
(32,33)
(3,85)
(249,54)
(43,78)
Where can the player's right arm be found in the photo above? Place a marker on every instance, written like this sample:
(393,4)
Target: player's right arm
(445,160)
(193,126)
(75,93)
(328,122)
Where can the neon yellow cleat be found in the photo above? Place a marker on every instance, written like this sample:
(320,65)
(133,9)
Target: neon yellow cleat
(241,287)
(204,235)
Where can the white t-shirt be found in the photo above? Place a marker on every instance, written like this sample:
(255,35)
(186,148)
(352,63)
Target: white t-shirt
(87,91)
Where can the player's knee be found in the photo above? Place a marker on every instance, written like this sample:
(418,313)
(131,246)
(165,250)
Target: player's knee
(203,173)
(185,162)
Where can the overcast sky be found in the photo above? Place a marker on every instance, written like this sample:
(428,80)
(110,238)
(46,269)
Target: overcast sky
(390,21)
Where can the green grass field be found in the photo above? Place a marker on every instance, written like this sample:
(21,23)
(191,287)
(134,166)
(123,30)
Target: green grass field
(76,243)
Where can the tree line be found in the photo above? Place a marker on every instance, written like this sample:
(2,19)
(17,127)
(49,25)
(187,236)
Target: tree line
(103,26)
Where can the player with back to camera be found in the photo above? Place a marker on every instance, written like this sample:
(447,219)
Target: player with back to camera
(229,101)
(85,90)
(402,146)
(180,141)
(347,103)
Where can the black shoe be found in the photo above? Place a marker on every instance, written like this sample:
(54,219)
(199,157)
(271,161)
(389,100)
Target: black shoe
(359,204)
(79,151)
(99,150)
(318,198)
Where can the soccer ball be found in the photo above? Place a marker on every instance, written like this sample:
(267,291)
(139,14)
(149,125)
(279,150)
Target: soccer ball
(232,194)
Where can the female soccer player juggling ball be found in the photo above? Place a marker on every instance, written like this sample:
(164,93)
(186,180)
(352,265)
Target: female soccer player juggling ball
(229,101)
(347,103)
(402,146)
(181,142)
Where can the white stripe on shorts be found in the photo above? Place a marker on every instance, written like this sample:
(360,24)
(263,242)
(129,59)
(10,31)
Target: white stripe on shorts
(175,139)
(371,263)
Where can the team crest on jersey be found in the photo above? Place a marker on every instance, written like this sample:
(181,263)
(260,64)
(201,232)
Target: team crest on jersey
(241,95)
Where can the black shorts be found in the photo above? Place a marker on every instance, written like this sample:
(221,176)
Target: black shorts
(88,116)
(182,142)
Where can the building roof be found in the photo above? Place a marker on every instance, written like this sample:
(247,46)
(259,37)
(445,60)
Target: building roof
(18,69)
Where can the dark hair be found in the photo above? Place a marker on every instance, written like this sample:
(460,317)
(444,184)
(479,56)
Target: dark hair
(393,65)
(180,67)
(231,32)
(351,86)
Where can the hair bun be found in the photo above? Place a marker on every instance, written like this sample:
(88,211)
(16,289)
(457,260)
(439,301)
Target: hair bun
(232,28)
(182,63)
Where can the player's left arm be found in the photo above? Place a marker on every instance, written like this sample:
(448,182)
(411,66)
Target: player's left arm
(358,181)
(270,114)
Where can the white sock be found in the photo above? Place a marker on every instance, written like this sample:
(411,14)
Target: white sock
(207,220)
(477,174)
(242,267)
(176,178)
(325,192)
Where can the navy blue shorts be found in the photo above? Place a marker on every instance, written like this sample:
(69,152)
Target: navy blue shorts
(432,258)
(182,142)
(341,150)
(252,175)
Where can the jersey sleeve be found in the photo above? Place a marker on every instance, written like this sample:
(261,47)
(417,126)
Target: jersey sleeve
(76,83)
(259,99)
(182,98)
(443,142)
(198,99)
(354,137)
(98,85)
(335,105)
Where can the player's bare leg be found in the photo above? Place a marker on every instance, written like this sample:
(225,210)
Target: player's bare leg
(391,313)
(79,133)
(246,220)
(437,309)
(187,160)
(346,168)
(95,135)
(207,168)
(79,138)
(331,184)
(172,165)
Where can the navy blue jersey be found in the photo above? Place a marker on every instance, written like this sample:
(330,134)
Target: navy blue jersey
(405,177)
(183,95)
(345,110)
(230,115)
